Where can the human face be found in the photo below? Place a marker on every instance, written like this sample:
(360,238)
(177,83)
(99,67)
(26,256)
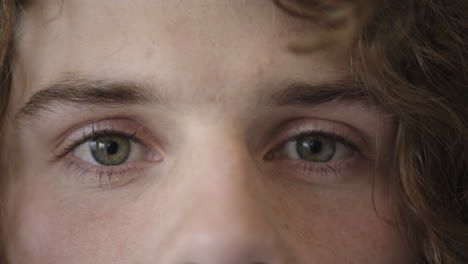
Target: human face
(187,132)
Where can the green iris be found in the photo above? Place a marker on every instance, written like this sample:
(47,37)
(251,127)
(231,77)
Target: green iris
(315,148)
(110,150)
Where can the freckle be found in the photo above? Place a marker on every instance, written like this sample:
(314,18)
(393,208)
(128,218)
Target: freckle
(149,53)
(260,71)
(268,61)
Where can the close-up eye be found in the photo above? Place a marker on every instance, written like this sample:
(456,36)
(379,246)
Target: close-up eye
(110,150)
(315,147)
(117,147)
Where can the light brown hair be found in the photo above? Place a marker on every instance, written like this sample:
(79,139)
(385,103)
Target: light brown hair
(411,58)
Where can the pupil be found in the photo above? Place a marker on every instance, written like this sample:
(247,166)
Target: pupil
(111,147)
(110,150)
(315,146)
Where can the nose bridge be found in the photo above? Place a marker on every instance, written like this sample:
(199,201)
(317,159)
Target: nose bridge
(223,214)
(220,160)
(223,176)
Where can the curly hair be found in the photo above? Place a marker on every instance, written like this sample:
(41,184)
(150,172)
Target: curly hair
(410,57)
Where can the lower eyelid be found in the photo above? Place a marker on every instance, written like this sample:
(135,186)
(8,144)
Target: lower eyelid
(328,128)
(101,176)
(145,156)
(317,173)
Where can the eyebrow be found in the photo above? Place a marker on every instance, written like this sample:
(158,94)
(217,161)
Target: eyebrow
(88,92)
(304,94)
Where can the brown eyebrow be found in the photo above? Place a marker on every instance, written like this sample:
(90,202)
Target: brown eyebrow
(123,93)
(88,92)
(304,94)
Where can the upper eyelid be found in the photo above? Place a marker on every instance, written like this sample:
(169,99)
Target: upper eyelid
(81,135)
(330,135)
(342,140)
(118,122)
(88,137)
(285,131)
(296,127)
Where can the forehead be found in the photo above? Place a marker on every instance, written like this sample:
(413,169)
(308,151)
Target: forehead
(212,46)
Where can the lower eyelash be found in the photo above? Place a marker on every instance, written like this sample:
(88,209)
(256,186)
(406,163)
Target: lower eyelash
(328,172)
(110,176)
(318,172)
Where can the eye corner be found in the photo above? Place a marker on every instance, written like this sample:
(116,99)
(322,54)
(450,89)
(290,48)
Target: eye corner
(331,161)
(126,149)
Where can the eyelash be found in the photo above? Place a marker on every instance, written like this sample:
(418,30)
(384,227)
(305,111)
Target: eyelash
(100,173)
(96,133)
(328,170)
(329,135)
(110,172)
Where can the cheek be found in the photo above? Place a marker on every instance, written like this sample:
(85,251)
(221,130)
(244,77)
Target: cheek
(339,226)
(329,225)
(88,230)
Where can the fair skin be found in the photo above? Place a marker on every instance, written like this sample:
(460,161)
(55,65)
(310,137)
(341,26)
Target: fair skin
(214,174)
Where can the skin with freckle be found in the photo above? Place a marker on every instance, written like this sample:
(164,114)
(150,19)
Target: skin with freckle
(200,185)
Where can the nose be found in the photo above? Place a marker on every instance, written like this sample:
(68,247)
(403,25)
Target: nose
(223,214)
